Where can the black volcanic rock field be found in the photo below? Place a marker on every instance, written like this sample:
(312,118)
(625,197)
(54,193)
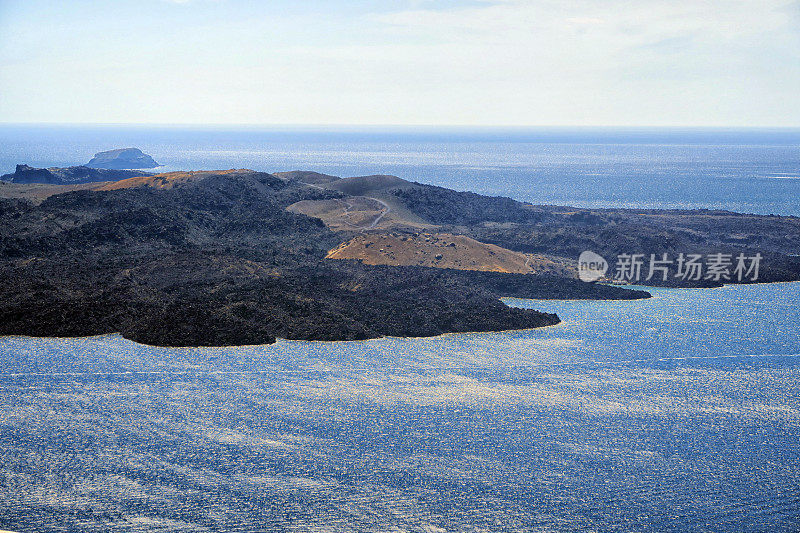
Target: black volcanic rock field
(215,261)
(215,258)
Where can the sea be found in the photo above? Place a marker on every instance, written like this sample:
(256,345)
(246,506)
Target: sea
(751,171)
(676,413)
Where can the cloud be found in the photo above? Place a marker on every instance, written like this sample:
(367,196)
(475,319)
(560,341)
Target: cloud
(614,23)
(586,54)
(568,62)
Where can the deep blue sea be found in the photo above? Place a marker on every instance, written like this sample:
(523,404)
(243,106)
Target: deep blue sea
(676,413)
(754,171)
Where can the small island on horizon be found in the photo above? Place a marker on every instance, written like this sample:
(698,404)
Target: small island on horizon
(239,257)
(122,159)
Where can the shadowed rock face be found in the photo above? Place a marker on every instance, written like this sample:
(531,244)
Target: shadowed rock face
(68,175)
(122,158)
(304,176)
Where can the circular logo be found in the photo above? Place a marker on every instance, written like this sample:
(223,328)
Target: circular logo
(591,266)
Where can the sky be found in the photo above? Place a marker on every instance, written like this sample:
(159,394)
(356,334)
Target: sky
(724,63)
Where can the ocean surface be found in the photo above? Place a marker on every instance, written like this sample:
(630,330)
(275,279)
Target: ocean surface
(677,413)
(753,171)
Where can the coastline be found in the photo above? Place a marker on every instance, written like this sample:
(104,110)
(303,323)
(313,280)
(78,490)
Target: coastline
(560,322)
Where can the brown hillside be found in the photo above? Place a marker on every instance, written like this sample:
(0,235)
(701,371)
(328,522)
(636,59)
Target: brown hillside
(36,193)
(166,180)
(440,251)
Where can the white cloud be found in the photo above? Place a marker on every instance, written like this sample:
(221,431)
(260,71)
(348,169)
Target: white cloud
(613,60)
(701,62)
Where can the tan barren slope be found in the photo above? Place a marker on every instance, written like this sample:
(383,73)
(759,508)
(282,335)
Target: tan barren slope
(38,192)
(442,251)
(166,180)
(353,213)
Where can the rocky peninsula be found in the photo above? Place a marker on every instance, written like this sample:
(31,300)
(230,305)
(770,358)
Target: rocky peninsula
(241,257)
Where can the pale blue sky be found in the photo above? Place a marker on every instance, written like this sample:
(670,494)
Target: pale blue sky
(504,62)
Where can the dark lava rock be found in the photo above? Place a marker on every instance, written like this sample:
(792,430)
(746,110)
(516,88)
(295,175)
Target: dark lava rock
(216,261)
(68,175)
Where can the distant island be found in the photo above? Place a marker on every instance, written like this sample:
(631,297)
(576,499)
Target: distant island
(122,158)
(242,257)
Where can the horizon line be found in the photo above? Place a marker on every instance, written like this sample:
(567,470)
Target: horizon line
(407,126)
